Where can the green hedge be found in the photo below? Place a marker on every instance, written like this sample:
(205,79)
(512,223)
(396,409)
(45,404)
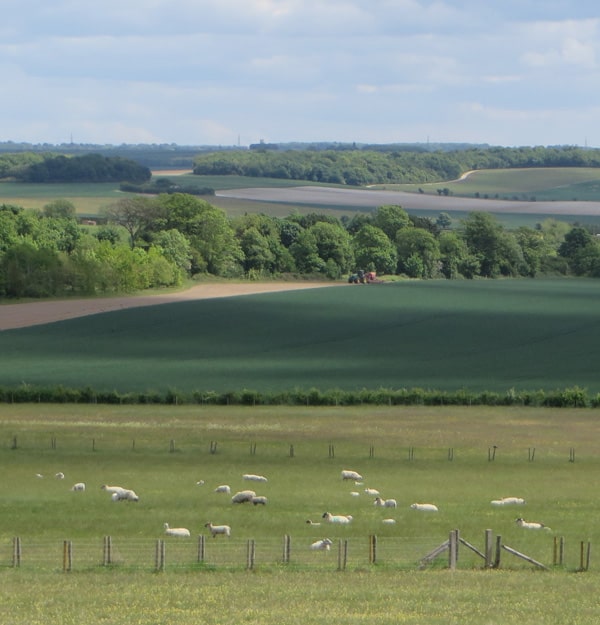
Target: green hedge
(574,397)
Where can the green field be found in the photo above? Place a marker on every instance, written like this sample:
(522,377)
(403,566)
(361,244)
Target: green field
(492,335)
(162,452)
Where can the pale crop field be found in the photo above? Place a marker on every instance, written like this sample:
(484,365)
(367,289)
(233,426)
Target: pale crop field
(549,457)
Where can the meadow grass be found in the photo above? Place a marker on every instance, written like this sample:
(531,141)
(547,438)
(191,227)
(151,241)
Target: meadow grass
(492,335)
(44,512)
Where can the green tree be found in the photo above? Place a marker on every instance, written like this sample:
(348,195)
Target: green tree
(413,243)
(333,244)
(486,240)
(374,251)
(391,218)
(453,254)
(176,248)
(136,214)
(59,208)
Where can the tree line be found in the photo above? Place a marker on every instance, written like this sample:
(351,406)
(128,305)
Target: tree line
(147,242)
(359,167)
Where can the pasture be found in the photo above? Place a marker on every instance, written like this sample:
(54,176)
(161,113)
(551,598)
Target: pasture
(95,444)
(492,335)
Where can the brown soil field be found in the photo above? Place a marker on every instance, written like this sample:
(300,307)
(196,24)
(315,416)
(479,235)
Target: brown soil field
(14,316)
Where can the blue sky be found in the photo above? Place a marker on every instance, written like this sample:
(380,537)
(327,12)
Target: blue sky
(223,72)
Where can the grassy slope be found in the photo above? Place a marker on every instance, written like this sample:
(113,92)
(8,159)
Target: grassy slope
(478,335)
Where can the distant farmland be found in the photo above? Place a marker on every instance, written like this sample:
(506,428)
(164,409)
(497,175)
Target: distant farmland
(448,335)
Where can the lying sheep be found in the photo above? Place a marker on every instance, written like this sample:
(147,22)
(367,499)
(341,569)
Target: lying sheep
(424,507)
(254,478)
(223,488)
(337,518)
(180,532)
(389,521)
(531,525)
(215,530)
(347,474)
(373,492)
(243,496)
(322,545)
(385,503)
(508,501)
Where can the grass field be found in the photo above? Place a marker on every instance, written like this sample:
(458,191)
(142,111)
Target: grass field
(94,444)
(448,335)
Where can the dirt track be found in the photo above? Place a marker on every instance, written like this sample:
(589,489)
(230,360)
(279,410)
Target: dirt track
(36,313)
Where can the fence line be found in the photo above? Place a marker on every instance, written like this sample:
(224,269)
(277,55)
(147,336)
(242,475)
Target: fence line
(166,553)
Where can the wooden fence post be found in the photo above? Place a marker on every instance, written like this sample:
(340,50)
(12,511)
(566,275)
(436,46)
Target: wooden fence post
(451,454)
(14,443)
(201,548)
(453,549)
(372,451)
(67,556)
(286,548)
(213,447)
(531,454)
(160,555)
(572,454)
(498,552)
(172,446)
(107,551)
(342,554)
(250,554)
(331,450)
(16,558)
(488,548)
(291,451)
(372,549)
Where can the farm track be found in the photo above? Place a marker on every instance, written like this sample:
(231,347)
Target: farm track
(13,316)
(410,201)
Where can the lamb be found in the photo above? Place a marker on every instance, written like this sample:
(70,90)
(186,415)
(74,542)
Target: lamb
(243,496)
(80,486)
(254,478)
(223,488)
(125,494)
(389,521)
(354,493)
(180,532)
(385,503)
(200,483)
(373,492)
(322,545)
(224,530)
(60,475)
(424,507)
(507,501)
(531,525)
(259,499)
(347,474)
(337,518)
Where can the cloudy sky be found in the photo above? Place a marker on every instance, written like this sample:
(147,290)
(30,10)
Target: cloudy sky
(223,72)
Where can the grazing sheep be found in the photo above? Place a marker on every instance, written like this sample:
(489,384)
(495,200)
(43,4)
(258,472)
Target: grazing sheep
(531,525)
(373,492)
(313,522)
(424,507)
(125,494)
(180,532)
(259,499)
(337,518)
(254,478)
(225,530)
(112,489)
(385,503)
(80,486)
(347,474)
(223,488)
(243,496)
(60,475)
(322,545)
(389,521)
(508,501)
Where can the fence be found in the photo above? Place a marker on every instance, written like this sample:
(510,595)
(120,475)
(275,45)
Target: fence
(214,553)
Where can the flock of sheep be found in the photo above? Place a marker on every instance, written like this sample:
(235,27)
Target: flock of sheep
(119,493)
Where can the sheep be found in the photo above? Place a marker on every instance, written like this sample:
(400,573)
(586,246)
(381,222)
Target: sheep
(125,494)
(531,525)
(80,486)
(313,522)
(354,494)
(337,518)
(385,503)
(60,475)
(373,492)
(507,501)
(200,483)
(39,476)
(322,545)
(223,488)
(347,474)
(259,499)
(254,478)
(243,496)
(224,530)
(424,507)
(180,532)
(389,521)
(112,489)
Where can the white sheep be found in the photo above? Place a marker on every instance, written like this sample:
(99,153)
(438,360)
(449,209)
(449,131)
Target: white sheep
(180,532)
(373,492)
(243,496)
(424,507)
(112,489)
(200,483)
(224,530)
(259,499)
(80,486)
(385,503)
(223,488)
(348,474)
(60,475)
(389,521)
(531,525)
(337,518)
(125,494)
(39,476)
(254,478)
(354,493)
(322,545)
(508,501)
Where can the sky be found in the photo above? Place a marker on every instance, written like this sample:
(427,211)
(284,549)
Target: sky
(236,72)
